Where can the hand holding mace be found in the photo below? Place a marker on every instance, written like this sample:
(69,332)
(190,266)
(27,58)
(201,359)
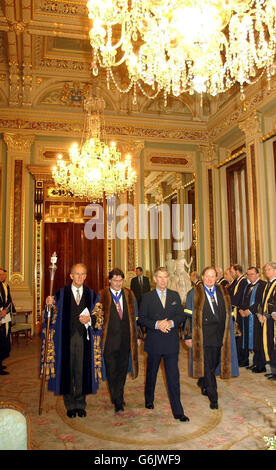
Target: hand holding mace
(52,269)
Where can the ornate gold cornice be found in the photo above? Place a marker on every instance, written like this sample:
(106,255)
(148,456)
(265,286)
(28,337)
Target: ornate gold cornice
(40,172)
(231,158)
(74,128)
(19,142)
(268,136)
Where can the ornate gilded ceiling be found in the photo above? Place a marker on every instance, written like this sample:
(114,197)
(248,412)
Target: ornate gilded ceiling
(45,69)
(45,61)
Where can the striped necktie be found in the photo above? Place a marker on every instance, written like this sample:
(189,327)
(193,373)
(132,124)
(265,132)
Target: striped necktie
(118,306)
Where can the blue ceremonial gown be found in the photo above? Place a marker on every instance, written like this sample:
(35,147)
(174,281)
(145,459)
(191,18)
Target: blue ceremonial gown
(58,362)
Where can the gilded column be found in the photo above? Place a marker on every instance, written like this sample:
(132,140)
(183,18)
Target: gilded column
(18,243)
(206,206)
(265,148)
(131,245)
(255,181)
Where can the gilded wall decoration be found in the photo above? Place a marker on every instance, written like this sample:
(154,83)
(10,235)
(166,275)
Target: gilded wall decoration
(234,116)
(75,128)
(174,106)
(17,254)
(71,94)
(169,160)
(57,7)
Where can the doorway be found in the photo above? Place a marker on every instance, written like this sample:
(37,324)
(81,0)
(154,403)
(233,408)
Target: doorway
(71,246)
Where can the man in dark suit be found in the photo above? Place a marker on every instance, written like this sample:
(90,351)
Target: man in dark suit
(161,313)
(119,336)
(252,329)
(140,285)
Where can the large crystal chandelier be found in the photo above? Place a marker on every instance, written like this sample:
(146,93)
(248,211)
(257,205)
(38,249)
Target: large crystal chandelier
(183,45)
(95,170)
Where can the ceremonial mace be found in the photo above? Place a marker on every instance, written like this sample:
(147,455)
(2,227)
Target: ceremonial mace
(52,269)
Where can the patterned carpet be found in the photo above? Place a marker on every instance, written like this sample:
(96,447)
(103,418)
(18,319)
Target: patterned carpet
(243,418)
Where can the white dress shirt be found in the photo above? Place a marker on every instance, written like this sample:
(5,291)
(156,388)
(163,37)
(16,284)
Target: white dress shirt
(209,297)
(74,290)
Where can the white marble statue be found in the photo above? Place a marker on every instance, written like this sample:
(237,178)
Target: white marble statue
(179,275)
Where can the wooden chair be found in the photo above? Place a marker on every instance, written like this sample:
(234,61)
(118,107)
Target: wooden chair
(20,328)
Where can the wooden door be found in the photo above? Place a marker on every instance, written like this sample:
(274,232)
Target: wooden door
(71,245)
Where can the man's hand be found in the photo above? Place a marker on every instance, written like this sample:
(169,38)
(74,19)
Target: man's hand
(274,316)
(50,301)
(84,319)
(3,313)
(164,325)
(261,318)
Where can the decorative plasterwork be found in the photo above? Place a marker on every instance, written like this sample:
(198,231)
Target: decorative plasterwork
(74,128)
(268,136)
(18,142)
(169,160)
(232,157)
(60,8)
(166,160)
(251,126)
(236,114)
(40,173)
(207,153)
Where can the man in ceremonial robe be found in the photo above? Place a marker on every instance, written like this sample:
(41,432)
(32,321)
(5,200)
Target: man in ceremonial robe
(220,278)
(195,278)
(236,293)
(74,364)
(211,335)
(119,336)
(5,327)
(251,327)
(267,318)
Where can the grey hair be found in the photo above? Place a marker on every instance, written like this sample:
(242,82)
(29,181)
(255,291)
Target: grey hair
(272,264)
(78,264)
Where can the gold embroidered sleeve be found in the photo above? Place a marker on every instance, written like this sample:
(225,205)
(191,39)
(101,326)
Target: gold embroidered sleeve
(98,313)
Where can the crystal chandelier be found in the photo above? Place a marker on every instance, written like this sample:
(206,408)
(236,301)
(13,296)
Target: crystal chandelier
(95,170)
(183,45)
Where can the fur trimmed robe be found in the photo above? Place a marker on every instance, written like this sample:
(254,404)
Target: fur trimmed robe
(194,308)
(106,299)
